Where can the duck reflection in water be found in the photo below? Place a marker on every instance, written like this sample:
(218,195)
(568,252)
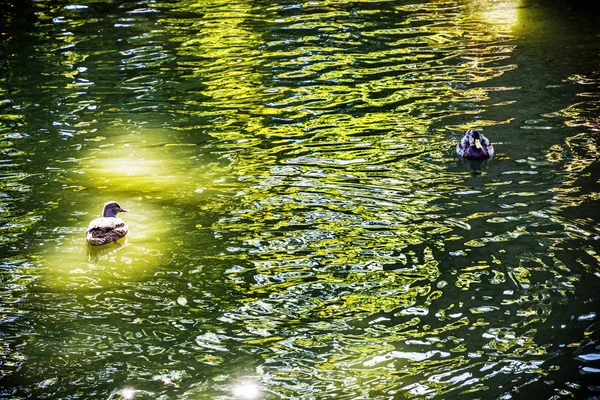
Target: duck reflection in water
(98,253)
(475,150)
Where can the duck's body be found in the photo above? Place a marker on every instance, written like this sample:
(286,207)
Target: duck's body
(474,146)
(108,228)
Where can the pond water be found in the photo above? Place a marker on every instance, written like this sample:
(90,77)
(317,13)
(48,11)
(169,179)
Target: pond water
(300,227)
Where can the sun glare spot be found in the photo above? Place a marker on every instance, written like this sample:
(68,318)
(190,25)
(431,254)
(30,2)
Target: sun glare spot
(503,16)
(127,394)
(246,390)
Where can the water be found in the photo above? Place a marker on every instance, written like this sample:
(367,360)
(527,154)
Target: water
(299,227)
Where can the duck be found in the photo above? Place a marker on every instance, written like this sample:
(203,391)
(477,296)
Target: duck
(474,146)
(108,228)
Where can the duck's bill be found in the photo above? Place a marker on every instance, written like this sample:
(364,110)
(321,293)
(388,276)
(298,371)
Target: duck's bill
(477,143)
(123,210)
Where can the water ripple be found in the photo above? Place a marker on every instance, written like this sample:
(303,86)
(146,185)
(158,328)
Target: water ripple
(299,225)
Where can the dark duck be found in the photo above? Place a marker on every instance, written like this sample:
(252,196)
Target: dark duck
(474,146)
(108,228)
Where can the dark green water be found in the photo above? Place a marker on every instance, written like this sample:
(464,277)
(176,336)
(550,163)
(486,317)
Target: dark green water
(299,225)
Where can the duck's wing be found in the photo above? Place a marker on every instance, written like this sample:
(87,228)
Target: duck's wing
(462,145)
(105,230)
(487,145)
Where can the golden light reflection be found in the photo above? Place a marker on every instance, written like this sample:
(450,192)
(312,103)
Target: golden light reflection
(503,13)
(230,77)
(503,16)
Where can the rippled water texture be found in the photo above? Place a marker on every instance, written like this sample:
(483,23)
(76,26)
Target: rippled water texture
(300,227)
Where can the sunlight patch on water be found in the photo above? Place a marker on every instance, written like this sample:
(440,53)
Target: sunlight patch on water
(70,263)
(505,14)
(141,162)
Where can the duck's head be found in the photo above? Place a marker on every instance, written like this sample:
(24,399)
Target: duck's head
(474,138)
(111,209)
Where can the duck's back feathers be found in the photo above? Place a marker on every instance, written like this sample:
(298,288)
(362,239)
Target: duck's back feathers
(105,230)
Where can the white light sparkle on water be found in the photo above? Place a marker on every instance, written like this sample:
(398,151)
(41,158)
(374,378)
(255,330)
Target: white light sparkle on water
(246,390)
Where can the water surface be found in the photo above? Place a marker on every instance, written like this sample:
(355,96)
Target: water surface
(300,226)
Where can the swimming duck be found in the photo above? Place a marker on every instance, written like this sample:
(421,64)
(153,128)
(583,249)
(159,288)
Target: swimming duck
(474,146)
(108,228)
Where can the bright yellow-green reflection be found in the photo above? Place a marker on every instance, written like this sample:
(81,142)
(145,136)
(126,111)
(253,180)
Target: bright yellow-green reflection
(73,264)
(140,162)
(146,174)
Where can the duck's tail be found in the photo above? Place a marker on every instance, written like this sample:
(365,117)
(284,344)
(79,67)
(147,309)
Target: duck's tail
(100,237)
(94,241)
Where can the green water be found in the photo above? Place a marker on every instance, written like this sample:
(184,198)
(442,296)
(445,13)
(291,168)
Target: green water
(300,227)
